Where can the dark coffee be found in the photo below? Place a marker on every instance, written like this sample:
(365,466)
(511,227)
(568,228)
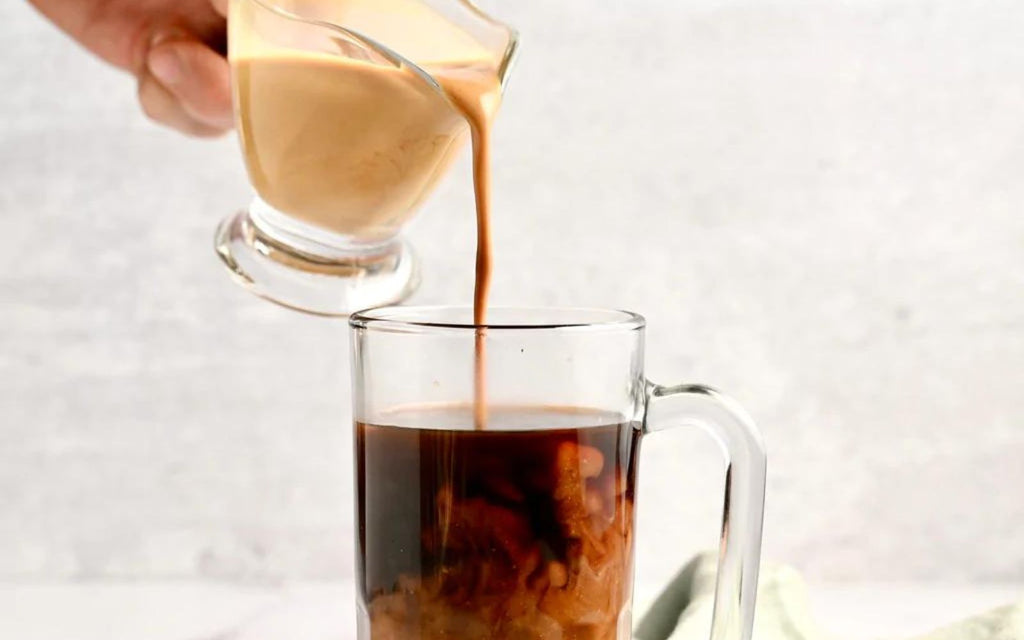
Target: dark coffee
(520,531)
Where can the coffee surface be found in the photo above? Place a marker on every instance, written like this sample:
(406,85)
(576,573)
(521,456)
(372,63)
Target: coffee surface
(523,530)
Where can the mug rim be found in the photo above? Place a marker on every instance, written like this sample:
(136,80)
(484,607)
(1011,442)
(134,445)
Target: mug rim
(427,318)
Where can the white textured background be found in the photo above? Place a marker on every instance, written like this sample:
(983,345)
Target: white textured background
(817,204)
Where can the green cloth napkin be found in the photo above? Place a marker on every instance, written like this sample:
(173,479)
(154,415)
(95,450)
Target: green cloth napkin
(683,610)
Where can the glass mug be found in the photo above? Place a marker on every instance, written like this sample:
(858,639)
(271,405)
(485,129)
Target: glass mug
(345,131)
(523,529)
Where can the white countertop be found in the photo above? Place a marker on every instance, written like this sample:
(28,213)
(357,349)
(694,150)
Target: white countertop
(307,611)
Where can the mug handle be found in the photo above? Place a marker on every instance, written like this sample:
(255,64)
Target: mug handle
(742,516)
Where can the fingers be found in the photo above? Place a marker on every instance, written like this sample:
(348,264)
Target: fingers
(163,107)
(197,76)
(220,6)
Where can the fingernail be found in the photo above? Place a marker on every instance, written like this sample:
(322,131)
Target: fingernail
(165,64)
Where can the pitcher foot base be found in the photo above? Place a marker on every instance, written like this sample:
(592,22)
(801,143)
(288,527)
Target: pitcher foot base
(338,285)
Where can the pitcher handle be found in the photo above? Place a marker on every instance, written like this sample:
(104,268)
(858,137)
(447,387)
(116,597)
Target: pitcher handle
(742,516)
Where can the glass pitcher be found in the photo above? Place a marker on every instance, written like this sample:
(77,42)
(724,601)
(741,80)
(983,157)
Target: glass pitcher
(346,130)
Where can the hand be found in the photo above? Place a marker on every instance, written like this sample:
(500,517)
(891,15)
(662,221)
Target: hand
(175,48)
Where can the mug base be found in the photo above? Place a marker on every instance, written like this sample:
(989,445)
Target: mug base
(320,280)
